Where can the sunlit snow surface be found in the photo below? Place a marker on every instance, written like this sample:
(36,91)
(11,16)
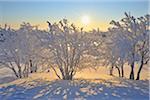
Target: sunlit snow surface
(45,86)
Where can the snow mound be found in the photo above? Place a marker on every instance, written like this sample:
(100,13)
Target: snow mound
(40,87)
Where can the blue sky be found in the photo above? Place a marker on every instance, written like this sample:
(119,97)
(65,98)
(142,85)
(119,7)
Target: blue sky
(100,13)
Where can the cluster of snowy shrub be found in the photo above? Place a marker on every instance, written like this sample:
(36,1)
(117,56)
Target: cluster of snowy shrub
(66,49)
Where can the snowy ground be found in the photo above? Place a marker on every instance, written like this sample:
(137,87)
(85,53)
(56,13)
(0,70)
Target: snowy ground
(6,75)
(94,86)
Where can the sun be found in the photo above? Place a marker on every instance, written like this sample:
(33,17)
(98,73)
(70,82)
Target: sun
(85,20)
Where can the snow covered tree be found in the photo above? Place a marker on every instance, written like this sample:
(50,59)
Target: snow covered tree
(30,45)
(143,44)
(18,48)
(117,49)
(133,32)
(9,52)
(67,46)
(112,55)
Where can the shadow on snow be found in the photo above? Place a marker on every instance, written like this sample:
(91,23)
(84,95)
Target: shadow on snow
(77,89)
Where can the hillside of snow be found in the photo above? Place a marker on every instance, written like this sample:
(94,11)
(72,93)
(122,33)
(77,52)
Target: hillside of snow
(87,85)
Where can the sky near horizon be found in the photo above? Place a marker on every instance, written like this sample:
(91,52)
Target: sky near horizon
(99,13)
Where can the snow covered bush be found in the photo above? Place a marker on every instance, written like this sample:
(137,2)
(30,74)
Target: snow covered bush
(67,49)
(131,39)
(18,49)
(68,46)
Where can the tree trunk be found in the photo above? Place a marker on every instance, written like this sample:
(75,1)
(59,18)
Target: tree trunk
(67,77)
(15,72)
(118,71)
(122,71)
(31,66)
(55,72)
(139,71)
(132,71)
(26,70)
(111,70)
(19,71)
(35,68)
(71,75)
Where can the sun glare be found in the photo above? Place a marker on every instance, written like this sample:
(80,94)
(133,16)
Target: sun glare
(85,20)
